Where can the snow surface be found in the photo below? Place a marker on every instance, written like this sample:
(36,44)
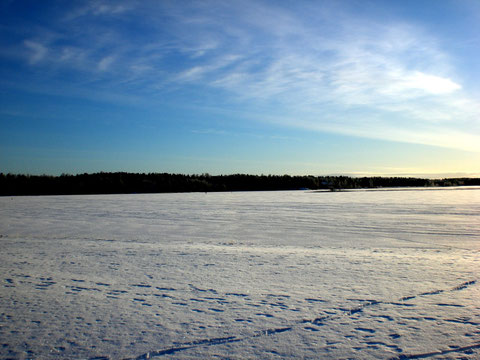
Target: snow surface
(270,275)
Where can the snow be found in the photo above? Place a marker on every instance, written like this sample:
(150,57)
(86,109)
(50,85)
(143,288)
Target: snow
(299,274)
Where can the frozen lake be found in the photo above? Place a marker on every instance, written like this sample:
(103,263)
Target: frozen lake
(270,275)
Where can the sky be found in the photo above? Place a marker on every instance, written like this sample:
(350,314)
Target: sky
(357,87)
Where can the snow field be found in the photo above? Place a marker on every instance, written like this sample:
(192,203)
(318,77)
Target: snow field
(241,275)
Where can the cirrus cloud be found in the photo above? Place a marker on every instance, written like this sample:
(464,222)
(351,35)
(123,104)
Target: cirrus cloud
(313,66)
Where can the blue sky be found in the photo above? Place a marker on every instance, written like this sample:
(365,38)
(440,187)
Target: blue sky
(273,87)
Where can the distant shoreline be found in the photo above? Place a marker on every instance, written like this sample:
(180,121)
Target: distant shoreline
(401,189)
(128,183)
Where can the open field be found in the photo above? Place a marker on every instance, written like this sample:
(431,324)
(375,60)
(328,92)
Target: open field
(296,274)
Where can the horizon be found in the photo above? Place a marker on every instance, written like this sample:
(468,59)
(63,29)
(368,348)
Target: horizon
(351,88)
(404,176)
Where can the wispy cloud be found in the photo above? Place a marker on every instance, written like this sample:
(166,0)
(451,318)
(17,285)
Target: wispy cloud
(198,72)
(105,63)
(313,67)
(98,8)
(37,51)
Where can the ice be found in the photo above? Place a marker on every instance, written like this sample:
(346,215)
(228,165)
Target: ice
(299,274)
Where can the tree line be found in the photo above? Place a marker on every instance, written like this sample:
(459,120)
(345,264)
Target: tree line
(126,183)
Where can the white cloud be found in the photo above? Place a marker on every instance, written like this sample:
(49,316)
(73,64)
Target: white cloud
(389,82)
(430,83)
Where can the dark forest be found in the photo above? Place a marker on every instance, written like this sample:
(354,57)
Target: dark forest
(126,183)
